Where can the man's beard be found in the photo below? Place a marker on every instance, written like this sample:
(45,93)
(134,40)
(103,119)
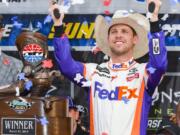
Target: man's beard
(117,52)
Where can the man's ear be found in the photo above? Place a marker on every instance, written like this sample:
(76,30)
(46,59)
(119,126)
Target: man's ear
(135,39)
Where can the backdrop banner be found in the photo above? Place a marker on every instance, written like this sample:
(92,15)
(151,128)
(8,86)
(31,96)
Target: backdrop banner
(79,29)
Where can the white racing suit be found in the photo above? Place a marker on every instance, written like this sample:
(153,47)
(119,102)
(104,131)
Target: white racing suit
(120,93)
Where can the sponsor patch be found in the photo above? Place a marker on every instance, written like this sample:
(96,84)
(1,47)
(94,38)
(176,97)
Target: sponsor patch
(156,47)
(130,78)
(103,69)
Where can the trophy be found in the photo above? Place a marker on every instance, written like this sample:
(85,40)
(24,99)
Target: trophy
(29,112)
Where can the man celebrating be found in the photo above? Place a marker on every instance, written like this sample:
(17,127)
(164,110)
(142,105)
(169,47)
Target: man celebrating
(120,89)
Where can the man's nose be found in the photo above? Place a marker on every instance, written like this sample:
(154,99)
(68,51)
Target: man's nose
(119,35)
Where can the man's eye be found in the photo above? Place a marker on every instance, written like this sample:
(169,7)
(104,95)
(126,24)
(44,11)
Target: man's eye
(114,31)
(124,31)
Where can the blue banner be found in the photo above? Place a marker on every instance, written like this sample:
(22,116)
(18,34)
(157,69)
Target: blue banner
(79,28)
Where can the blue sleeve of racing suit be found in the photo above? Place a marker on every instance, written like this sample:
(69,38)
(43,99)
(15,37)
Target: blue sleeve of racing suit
(157,64)
(67,65)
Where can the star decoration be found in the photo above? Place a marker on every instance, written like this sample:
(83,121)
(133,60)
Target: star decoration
(44,121)
(28,85)
(30,28)
(78,77)
(47,63)
(125,100)
(151,70)
(21,76)
(86,83)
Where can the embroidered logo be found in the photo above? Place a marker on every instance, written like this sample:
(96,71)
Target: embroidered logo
(156,47)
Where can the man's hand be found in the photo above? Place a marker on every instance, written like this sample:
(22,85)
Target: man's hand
(57,21)
(156,10)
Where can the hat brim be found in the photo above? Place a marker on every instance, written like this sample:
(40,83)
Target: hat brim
(101,34)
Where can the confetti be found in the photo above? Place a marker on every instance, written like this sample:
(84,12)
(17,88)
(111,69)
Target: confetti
(14,18)
(17,24)
(21,76)
(108,19)
(85,22)
(66,2)
(106,12)
(125,100)
(165,16)
(6,61)
(39,25)
(47,64)
(28,85)
(107,2)
(48,19)
(84,32)
(44,121)
(64,9)
(73,2)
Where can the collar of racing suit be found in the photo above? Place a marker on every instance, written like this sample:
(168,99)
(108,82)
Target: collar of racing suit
(121,66)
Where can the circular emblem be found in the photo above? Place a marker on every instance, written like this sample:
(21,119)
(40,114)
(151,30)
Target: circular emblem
(33,53)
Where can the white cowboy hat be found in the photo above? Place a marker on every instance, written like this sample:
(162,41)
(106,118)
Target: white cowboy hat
(136,21)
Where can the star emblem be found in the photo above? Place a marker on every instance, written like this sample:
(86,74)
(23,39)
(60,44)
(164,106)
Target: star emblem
(30,28)
(151,70)
(78,77)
